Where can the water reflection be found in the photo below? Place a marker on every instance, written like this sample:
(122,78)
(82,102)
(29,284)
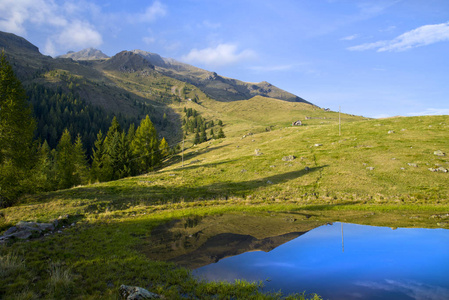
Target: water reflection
(198,241)
(364,263)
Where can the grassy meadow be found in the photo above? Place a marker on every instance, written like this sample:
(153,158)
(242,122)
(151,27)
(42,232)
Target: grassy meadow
(376,172)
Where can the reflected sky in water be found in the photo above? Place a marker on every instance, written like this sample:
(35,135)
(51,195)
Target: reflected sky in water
(377,263)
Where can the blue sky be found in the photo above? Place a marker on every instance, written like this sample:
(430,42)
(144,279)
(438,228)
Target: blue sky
(374,58)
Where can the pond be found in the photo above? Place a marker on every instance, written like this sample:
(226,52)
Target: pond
(347,261)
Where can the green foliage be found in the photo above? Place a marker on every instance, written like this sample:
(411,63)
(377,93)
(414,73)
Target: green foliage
(17,155)
(145,146)
(164,148)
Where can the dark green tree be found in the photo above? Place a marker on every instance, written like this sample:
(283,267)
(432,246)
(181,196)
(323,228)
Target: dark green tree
(196,141)
(81,174)
(221,134)
(17,151)
(101,169)
(203,136)
(65,167)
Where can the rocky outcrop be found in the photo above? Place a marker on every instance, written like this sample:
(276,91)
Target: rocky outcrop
(136,293)
(26,230)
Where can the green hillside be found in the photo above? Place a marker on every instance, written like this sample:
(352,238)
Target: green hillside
(376,172)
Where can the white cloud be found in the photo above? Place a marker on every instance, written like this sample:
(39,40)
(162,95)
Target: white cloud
(79,34)
(152,12)
(223,54)
(63,21)
(350,37)
(421,36)
(210,25)
(148,40)
(16,14)
(412,289)
(273,68)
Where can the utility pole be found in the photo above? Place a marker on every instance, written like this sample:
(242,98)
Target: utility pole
(339,120)
(182,153)
(342,239)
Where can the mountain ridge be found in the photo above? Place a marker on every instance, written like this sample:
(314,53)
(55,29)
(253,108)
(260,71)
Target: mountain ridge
(218,87)
(85,54)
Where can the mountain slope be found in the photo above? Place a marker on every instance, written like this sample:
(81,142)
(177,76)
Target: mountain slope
(85,54)
(217,87)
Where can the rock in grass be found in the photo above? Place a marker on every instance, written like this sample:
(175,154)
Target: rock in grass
(440,169)
(136,293)
(257,152)
(289,158)
(439,153)
(24,230)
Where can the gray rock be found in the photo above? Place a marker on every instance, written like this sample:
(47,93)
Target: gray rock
(10,230)
(318,145)
(135,293)
(412,165)
(439,153)
(390,131)
(289,158)
(370,168)
(257,152)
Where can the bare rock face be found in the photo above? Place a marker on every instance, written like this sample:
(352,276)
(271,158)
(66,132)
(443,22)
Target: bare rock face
(136,293)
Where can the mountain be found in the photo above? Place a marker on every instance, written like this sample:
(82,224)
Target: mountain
(132,84)
(217,87)
(85,54)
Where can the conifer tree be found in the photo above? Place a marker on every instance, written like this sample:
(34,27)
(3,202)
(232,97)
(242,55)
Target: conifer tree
(101,167)
(65,167)
(164,148)
(221,134)
(196,141)
(145,146)
(203,136)
(81,174)
(44,172)
(17,153)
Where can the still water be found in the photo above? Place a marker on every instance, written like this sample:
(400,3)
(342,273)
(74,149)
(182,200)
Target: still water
(348,261)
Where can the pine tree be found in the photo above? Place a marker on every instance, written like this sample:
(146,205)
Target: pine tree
(145,146)
(221,134)
(44,172)
(17,151)
(196,141)
(101,168)
(81,174)
(203,136)
(65,167)
(164,148)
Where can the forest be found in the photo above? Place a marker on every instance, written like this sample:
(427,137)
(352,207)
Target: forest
(53,140)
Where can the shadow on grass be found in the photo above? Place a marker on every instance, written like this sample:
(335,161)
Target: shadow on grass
(188,156)
(144,192)
(331,206)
